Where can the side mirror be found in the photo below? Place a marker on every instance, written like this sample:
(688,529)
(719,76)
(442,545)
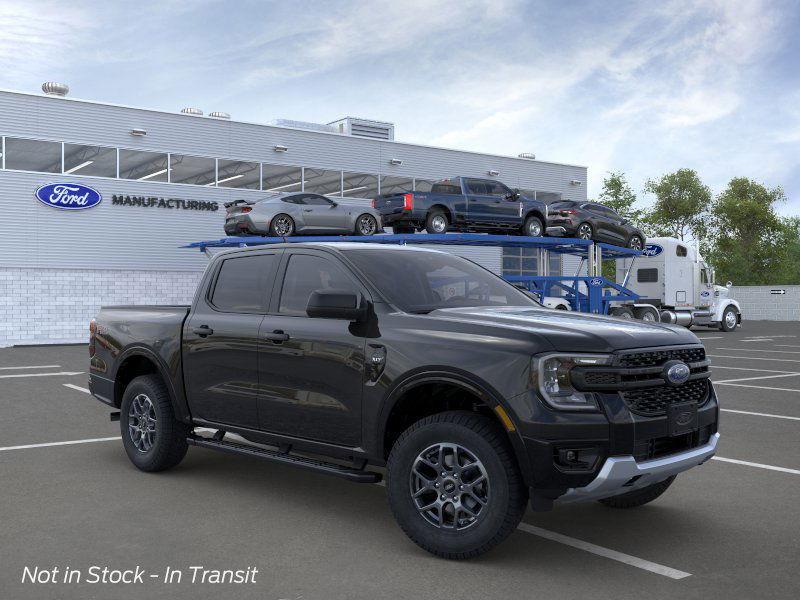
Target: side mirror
(336,304)
(334,204)
(512,195)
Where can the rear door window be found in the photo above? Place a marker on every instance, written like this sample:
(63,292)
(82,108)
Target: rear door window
(243,283)
(495,188)
(446,186)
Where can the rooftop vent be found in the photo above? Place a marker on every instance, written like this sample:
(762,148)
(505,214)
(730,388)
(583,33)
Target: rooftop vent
(192,111)
(51,88)
(527,155)
(377,130)
(219,115)
(303,125)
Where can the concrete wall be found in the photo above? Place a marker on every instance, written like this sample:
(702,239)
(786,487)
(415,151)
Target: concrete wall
(760,304)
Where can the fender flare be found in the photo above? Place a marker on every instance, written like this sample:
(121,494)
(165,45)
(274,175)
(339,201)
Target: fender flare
(181,408)
(465,380)
(723,306)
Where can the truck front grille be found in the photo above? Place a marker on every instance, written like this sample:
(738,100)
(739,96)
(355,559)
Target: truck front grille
(653,401)
(659,357)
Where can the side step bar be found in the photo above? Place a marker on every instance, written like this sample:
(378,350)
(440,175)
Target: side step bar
(349,473)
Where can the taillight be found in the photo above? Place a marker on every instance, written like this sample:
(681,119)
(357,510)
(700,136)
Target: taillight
(246,209)
(408,201)
(568,212)
(92,332)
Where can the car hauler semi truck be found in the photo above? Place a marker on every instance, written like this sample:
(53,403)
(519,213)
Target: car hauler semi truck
(676,286)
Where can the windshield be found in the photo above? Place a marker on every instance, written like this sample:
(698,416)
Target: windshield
(419,282)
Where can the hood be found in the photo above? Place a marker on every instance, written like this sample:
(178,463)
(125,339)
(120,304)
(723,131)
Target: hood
(573,332)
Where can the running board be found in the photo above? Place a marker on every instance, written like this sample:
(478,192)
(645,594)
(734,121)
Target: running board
(349,473)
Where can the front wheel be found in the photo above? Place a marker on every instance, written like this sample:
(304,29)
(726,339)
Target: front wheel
(730,320)
(153,438)
(366,225)
(533,227)
(454,486)
(639,497)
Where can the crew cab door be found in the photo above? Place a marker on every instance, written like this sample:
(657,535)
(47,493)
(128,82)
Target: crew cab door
(487,203)
(221,339)
(311,370)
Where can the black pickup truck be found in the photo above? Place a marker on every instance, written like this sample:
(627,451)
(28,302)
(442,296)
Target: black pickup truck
(464,204)
(336,357)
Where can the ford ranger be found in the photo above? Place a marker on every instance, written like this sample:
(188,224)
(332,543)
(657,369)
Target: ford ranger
(345,358)
(464,204)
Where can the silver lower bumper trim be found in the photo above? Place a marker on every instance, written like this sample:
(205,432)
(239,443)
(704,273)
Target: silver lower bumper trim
(556,231)
(622,474)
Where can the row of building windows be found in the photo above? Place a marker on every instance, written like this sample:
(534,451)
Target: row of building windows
(120,163)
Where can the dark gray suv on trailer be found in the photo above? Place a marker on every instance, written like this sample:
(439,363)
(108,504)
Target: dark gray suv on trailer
(293,213)
(593,221)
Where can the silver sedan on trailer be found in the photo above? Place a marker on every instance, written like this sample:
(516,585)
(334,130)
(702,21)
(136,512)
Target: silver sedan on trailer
(300,213)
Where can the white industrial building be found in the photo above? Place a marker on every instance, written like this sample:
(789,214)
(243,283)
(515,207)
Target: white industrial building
(163,178)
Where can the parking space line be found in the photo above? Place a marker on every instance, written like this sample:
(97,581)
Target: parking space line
(67,443)
(40,374)
(77,387)
(754,358)
(758,387)
(711,337)
(31,367)
(754,350)
(757,465)
(751,369)
(633,561)
(759,377)
(757,414)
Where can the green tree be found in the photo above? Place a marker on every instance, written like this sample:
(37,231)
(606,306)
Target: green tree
(681,205)
(749,243)
(618,195)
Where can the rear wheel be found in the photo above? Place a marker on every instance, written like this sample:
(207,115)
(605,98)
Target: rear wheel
(730,319)
(635,243)
(533,227)
(153,438)
(436,222)
(639,497)
(454,486)
(281,226)
(584,231)
(366,224)
(622,312)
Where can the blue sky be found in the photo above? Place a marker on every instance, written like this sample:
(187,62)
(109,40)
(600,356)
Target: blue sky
(641,87)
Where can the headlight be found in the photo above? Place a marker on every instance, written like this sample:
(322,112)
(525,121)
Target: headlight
(552,378)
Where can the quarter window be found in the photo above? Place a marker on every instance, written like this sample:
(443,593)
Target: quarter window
(306,274)
(242,283)
(33,155)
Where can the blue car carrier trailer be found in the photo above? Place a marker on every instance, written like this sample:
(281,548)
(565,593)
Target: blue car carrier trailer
(591,293)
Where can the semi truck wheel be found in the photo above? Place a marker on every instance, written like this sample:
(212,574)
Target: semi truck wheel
(645,313)
(436,222)
(153,438)
(454,486)
(639,497)
(729,319)
(622,312)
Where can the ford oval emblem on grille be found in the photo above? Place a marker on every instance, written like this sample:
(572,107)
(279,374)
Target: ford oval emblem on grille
(684,418)
(676,372)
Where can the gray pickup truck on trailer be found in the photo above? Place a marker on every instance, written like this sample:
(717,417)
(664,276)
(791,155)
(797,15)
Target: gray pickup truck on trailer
(336,356)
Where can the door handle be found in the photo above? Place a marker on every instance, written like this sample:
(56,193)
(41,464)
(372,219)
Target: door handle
(203,330)
(277,336)
(308,210)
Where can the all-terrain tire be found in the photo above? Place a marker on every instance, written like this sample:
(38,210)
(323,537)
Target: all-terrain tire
(169,440)
(507,494)
(639,497)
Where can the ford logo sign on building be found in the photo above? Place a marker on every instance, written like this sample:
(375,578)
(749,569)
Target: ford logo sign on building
(652,250)
(68,196)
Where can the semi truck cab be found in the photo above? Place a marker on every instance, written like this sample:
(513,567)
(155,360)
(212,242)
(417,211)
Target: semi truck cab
(676,286)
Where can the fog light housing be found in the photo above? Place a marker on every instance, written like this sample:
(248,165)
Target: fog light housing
(577,459)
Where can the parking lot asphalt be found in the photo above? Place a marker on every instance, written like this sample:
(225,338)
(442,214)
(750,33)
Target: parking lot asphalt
(728,529)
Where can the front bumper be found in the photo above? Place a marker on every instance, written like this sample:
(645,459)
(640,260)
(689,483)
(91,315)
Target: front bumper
(622,474)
